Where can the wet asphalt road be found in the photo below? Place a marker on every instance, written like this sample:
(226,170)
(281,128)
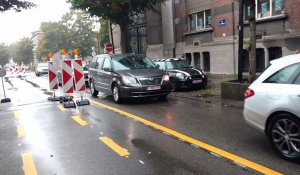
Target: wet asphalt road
(33,127)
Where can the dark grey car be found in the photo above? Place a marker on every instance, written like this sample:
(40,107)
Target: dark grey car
(127,76)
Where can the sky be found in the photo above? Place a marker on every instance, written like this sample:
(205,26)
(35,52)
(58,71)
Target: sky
(16,25)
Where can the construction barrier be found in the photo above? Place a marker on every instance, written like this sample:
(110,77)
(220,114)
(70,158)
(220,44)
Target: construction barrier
(23,70)
(79,76)
(52,75)
(79,81)
(67,79)
(67,83)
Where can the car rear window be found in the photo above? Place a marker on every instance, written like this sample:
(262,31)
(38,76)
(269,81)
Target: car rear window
(286,75)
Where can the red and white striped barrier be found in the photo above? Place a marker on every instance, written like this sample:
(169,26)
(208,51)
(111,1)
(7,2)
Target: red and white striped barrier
(23,69)
(17,69)
(67,79)
(79,75)
(52,74)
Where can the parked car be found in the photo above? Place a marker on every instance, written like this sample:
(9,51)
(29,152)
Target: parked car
(272,105)
(182,75)
(127,76)
(85,73)
(41,68)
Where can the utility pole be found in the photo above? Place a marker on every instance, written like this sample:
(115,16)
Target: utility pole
(241,41)
(111,37)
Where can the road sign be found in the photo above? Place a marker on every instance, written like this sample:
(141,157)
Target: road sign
(52,75)
(79,75)
(67,76)
(109,47)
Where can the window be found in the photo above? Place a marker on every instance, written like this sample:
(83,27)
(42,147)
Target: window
(260,60)
(285,75)
(266,8)
(106,64)
(169,65)
(200,20)
(98,63)
(297,81)
(274,53)
(161,65)
(206,61)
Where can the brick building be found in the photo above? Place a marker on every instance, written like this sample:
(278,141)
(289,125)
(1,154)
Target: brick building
(205,32)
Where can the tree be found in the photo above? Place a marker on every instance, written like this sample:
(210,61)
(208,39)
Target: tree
(120,12)
(56,37)
(104,33)
(24,52)
(81,26)
(252,49)
(15,5)
(4,54)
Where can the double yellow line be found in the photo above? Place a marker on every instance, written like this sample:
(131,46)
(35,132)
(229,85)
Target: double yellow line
(210,148)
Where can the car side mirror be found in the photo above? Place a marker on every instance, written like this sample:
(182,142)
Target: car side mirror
(191,66)
(106,69)
(157,66)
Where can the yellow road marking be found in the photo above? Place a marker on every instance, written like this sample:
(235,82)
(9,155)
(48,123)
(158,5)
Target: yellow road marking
(118,149)
(17,115)
(21,131)
(60,107)
(79,120)
(186,138)
(28,164)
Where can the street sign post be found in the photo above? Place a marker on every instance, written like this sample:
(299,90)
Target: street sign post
(2,74)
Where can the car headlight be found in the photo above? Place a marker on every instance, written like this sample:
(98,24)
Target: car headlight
(129,81)
(181,76)
(166,78)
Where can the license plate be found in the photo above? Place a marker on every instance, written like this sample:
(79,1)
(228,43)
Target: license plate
(197,81)
(151,88)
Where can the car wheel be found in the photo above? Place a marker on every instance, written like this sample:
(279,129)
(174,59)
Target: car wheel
(174,85)
(284,135)
(116,94)
(94,92)
(163,97)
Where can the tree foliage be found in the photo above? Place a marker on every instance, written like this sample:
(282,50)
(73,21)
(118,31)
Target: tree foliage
(24,51)
(104,32)
(81,26)
(74,31)
(16,5)
(4,54)
(56,36)
(120,12)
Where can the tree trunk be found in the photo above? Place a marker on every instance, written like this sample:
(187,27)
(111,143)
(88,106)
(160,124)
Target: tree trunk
(252,61)
(123,38)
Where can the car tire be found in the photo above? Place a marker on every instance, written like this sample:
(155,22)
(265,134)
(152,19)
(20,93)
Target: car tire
(284,135)
(174,86)
(94,92)
(162,98)
(116,94)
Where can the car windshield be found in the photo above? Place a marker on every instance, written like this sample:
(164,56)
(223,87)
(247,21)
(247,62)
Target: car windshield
(180,64)
(43,65)
(132,62)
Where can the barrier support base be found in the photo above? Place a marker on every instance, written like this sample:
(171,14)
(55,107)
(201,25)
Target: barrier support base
(53,99)
(82,102)
(63,99)
(5,100)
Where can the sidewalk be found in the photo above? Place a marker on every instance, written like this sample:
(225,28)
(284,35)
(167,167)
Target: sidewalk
(211,94)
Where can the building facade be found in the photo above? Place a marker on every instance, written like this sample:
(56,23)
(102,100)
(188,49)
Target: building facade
(205,32)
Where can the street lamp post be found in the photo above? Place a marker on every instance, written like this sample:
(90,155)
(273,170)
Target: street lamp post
(241,40)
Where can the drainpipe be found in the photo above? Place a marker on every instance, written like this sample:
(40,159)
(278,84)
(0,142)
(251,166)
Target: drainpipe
(174,28)
(241,39)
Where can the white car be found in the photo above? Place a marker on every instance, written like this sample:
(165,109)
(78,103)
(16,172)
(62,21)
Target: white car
(272,105)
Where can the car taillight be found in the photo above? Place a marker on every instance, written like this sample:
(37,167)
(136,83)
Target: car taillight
(249,93)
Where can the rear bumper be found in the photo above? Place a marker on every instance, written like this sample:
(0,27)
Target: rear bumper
(139,92)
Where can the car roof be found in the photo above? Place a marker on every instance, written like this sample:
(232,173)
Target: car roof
(286,60)
(115,55)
